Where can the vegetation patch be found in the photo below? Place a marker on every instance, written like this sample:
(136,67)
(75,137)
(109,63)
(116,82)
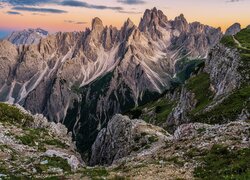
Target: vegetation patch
(244,38)
(220,163)
(52,162)
(155,112)
(95,173)
(199,85)
(39,137)
(185,67)
(229,109)
(228,41)
(153,139)
(12,115)
(175,160)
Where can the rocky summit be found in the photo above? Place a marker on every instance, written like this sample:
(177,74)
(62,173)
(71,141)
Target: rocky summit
(167,99)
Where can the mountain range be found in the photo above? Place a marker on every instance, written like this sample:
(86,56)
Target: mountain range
(166,72)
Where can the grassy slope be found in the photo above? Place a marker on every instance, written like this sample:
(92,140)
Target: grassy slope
(199,85)
(232,106)
(220,163)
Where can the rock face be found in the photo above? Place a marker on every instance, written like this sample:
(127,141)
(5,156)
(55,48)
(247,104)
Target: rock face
(186,103)
(233,29)
(123,137)
(222,65)
(83,78)
(29,36)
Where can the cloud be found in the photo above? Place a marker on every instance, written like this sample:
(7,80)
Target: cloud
(28,2)
(43,10)
(13,13)
(129,12)
(68,21)
(81,23)
(233,1)
(132,2)
(74,3)
(74,22)
(38,14)
(27,5)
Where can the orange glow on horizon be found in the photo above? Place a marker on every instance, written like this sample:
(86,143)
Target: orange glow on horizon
(204,12)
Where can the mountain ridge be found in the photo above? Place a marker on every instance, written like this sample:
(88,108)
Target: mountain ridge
(61,74)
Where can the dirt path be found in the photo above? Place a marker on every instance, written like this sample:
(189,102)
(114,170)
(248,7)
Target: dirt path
(238,43)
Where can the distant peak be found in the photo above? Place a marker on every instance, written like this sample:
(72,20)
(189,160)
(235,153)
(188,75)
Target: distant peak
(97,24)
(27,36)
(233,29)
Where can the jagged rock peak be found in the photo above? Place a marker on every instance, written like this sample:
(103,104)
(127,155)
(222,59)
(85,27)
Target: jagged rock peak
(152,17)
(180,23)
(181,17)
(127,28)
(97,24)
(233,29)
(248,27)
(128,24)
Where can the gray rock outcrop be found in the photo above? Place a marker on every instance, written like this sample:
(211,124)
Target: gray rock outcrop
(233,29)
(222,65)
(124,136)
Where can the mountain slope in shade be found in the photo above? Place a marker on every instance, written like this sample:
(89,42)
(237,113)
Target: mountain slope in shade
(83,78)
(29,36)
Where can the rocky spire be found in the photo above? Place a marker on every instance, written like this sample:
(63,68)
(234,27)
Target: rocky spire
(128,24)
(233,29)
(151,18)
(97,24)
(126,28)
(180,23)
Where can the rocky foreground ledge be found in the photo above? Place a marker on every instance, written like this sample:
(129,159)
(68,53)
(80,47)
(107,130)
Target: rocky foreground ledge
(33,148)
(139,150)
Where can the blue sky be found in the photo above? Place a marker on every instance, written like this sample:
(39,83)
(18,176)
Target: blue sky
(4,33)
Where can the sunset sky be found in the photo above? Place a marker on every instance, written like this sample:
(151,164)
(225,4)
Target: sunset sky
(75,15)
